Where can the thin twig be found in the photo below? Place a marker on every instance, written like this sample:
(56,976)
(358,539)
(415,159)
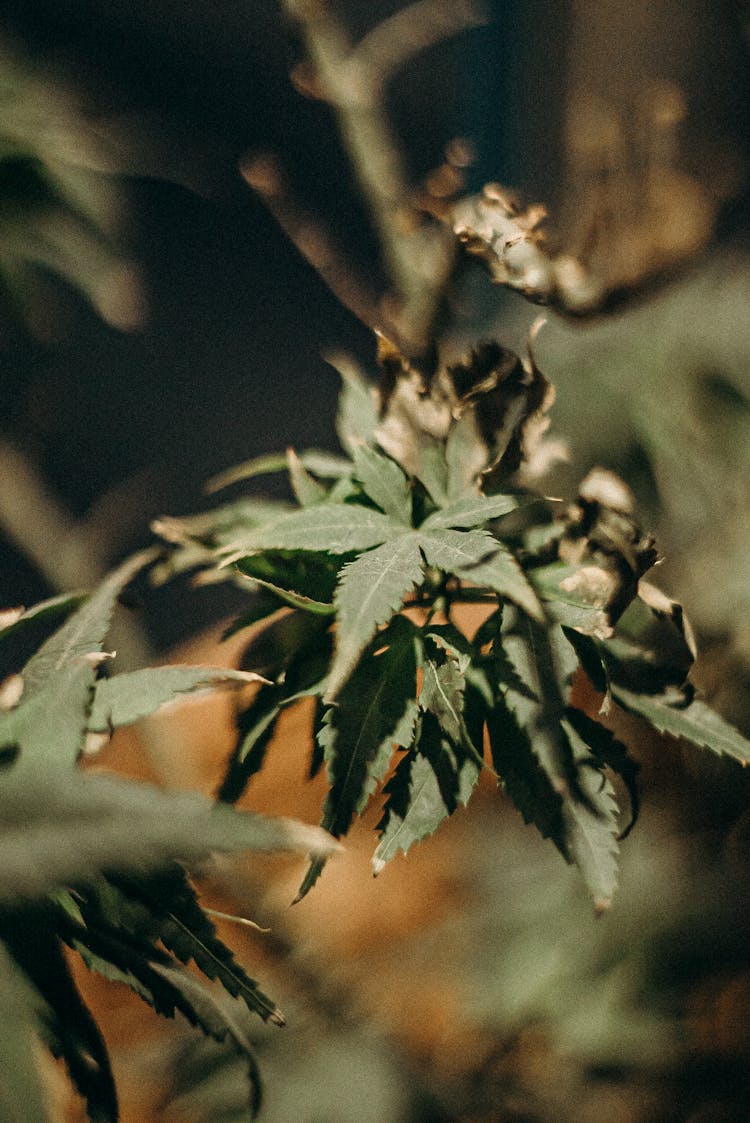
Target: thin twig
(418,253)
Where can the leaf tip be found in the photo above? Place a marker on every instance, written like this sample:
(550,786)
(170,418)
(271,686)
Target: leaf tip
(601,906)
(378,865)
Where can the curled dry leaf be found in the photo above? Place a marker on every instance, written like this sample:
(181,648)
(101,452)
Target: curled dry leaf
(488,410)
(602,539)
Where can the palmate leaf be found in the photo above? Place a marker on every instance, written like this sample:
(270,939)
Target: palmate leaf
(371,589)
(22,1098)
(696,722)
(151,973)
(376,712)
(384,482)
(479,558)
(132,695)
(70,831)
(426,787)
(335,528)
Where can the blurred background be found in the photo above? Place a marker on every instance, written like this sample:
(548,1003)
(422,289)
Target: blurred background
(158,325)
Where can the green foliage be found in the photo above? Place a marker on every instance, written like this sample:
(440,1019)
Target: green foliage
(435,510)
(89,860)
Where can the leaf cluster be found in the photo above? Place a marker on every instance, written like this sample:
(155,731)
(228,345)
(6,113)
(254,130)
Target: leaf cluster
(359,583)
(91,862)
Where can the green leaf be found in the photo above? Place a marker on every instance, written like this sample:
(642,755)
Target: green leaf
(384,482)
(539,706)
(442,692)
(696,722)
(521,776)
(335,528)
(49,728)
(357,416)
(376,712)
(127,697)
(22,1098)
(479,558)
(591,824)
(307,490)
(590,658)
(371,589)
(22,619)
(425,789)
(471,512)
(305,579)
(612,753)
(323,464)
(255,728)
(433,471)
(70,831)
(85,631)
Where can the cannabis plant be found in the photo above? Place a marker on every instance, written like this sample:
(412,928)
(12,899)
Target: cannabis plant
(362,584)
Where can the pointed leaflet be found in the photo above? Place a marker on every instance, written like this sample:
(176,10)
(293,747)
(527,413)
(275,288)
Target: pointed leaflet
(591,824)
(255,728)
(479,558)
(696,722)
(324,464)
(612,753)
(443,685)
(304,674)
(85,631)
(424,790)
(371,589)
(305,579)
(171,909)
(539,706)
(471,512)
(49,728)
(18,620)
(307,490)
(376,711)
(67,833)
(50,721)
(521,776)
(127,697)
(357,416)
(335,528)
(384,482)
